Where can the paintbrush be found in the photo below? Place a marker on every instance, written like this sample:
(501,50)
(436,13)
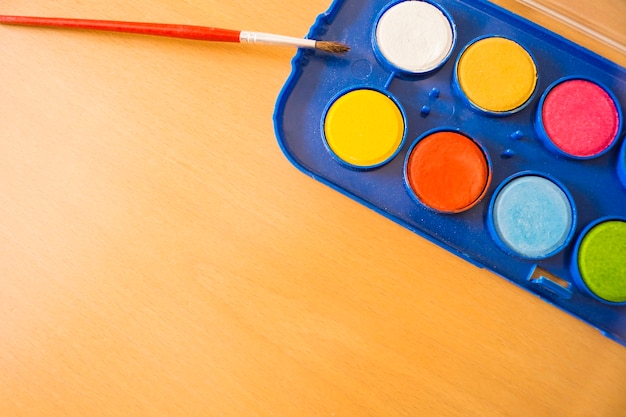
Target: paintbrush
(201,33)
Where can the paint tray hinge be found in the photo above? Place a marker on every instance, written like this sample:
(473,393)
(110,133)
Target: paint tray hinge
(549,283)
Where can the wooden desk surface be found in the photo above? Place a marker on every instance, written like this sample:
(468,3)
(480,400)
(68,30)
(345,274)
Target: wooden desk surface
(159,256)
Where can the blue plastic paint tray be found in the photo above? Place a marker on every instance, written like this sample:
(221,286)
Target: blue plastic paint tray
(513,143)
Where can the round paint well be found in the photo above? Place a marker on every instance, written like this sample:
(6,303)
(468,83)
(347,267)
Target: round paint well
(531,216)
(364,128)
(578,118)
(496,75)
(414,37)
(599,261)
(447,171)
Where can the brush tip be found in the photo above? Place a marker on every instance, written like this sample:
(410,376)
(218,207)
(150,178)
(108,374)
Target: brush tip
(332,47)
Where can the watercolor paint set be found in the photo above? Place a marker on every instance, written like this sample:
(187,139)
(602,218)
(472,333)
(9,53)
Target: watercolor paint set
(480,131)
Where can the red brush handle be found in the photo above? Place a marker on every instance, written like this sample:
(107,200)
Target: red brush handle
(158,29)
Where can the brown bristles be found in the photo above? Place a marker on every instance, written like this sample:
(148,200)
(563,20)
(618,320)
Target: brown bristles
(332,47)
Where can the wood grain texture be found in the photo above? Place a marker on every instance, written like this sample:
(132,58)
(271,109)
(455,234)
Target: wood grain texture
(159,256)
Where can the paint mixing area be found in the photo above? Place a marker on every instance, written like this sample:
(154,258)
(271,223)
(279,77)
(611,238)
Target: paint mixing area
(431,223)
